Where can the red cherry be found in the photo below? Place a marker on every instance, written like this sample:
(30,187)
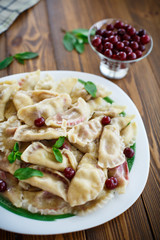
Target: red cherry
(100,48)
(108,53)
(142,48)
(131,31)
(120,45)
(141,32)
(145,39)
(110,27)
(3,186)
(108,45)
(128,152)
(136,38)
(106,120)
(126,43)
(127,49)
(118,24)
(138,53)
(121,31)
(131,56)
(122,56)
(134,45)
(96,41)
(69,173)
(113,39)
(111,183)
(99,32)
(39,122)
(126,37)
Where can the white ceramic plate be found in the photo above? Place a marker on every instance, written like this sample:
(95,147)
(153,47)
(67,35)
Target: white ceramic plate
(120,203)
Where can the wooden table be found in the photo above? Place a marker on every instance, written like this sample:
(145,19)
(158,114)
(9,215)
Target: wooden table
(39,30)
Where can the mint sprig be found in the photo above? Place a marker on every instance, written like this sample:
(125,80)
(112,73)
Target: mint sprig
(25,173)
(108,99)
(56,151)
(130,161)
(76,39)
(90,87)
(20,57)
(15,154)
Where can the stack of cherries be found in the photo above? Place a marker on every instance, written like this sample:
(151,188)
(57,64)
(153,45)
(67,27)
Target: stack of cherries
(120,41)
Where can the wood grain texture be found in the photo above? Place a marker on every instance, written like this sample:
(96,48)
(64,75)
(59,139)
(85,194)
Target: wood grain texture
(39,29)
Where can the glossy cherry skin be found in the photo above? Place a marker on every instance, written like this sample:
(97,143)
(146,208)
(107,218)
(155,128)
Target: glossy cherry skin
(39,122)
(3,186)
(128,152)
(69,173)
(106,120)
(111,183)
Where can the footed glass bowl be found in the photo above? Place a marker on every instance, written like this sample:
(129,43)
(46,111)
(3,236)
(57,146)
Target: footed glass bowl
(113,68)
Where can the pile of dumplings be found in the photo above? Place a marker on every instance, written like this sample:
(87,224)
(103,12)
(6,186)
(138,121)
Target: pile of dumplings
(93,150)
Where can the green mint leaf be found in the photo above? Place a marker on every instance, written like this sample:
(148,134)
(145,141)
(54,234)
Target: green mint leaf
(57,154)
(16,147)
(82,31)
(6,62)
(81,81)
(11,157)
(25,173)
(26,55)
(79,47)
(18,155)
(108,99)
(90,87)
(130,161)
(21,61)
(59,142)
(122,114)
(82,39)
(68,41)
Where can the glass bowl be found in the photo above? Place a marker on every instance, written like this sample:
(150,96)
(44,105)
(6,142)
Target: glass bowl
(113,68)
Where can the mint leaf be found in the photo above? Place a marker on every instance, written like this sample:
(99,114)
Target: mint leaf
(59,142)
(25,55)
(130,161)
(18,155)
(108,99)
(57,154)
(11,157)
(16,147)
(21,61)
(79,47)
(90,87)
(68,41)
(82,31)
(25,173)
(6,62)
(123,114)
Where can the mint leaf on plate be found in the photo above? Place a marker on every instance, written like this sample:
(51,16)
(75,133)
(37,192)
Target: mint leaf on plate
(57,154)
(59,142)
(25,173)
(90,87)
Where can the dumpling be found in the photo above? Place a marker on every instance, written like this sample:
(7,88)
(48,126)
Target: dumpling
(44,203)
(79,91)
(89,180)
(7,130)
(41,155)
(120,172)
(86,132)
(29,81)
(45,83)
(80,112)
(110,148)
(52,181)
(65,85)
(10,109)
(25,133)
(112,111)
(25,98)
(6,91)
(13,193)
(122,122)
(129,134)
(54,105)
(98,104)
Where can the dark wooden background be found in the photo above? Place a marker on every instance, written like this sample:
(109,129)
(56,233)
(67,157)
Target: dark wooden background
(39,30)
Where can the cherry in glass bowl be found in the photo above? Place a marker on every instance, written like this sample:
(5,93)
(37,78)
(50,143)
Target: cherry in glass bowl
(118,44)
